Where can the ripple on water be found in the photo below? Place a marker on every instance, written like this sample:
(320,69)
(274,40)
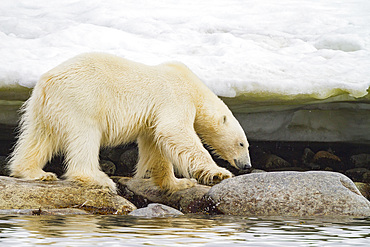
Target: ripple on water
(111,231)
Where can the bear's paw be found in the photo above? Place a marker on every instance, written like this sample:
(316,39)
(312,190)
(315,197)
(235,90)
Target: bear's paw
(212,176)
(176,184)
(36,174)
(98,179)
(183,184)
(47,176)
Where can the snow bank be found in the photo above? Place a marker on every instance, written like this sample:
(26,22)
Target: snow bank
(258,48)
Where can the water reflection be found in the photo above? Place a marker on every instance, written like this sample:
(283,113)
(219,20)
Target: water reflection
(90,230)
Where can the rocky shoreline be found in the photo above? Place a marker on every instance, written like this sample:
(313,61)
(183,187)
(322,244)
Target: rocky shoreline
(293,194)
(295,179)
(333,138)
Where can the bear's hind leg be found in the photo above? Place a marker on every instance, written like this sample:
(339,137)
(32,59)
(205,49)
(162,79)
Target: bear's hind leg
(33,150)
(82,158)
(159,168)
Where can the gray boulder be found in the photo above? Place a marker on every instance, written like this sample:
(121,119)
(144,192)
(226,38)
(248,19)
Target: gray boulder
(315,193)
(155,210)
(23,194)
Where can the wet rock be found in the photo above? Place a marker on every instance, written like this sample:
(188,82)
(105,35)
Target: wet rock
(124,157)
(313,166)
(359,174)
(257,171)
(314,193)
(3,166)
(56,165)
(271,162)
(181,200)
(108,167)
(328,169)
(293,168)
(127,162)
(62,211)
(138,200)
(155,210)
(327,159)
(112,154)
(364,188)
(307,156)
(361,160)
(23,194)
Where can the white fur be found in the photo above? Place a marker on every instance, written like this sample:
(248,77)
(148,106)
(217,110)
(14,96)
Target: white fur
(97,99)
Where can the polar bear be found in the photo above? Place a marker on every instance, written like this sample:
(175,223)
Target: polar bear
(97,99)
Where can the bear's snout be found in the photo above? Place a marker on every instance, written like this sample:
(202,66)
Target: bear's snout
(243,163)
(242,166)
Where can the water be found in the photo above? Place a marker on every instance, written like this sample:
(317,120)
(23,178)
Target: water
(181,231)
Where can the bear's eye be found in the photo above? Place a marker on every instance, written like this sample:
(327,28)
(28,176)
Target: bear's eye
(224,119)
(241,144)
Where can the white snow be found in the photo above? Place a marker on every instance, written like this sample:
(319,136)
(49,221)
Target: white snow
(286,48)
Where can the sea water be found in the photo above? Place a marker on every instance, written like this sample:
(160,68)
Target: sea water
(189,230)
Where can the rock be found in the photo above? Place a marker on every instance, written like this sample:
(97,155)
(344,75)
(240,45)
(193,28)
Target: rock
(127,162)
(327,159)
(359,174)
(183,200)
(112,154)
(328,169)
(361,160)
(108,167)
(257,171)
(314,193)
(364,188)
(124,157)
(155,210)
(271,162)
(293,168)
(307,156)
(23,194)
(62,211)
(3,166)
(313,166)
(138,200)
(56,165)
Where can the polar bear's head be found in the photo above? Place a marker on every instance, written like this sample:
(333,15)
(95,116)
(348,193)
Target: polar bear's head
(220,130)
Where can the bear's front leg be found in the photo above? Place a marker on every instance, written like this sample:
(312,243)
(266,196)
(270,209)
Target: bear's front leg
(185,150)
(153,163)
